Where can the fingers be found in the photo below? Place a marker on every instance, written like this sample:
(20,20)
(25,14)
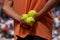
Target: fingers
(24,25)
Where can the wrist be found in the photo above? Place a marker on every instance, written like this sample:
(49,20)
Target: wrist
(36,18)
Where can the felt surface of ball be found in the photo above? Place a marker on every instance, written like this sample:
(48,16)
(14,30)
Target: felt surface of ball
(24,16)
(32,13)
(30,20)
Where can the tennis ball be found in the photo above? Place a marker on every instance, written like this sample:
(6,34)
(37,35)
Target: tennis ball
(30,20)
(32,13)
(24,16)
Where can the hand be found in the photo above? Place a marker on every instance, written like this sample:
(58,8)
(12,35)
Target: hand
(29,26)
(23,24)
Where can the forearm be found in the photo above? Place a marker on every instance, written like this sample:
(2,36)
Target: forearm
(10,12)
(47,7)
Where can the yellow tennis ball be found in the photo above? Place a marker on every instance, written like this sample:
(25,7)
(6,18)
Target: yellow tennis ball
(24,16)
(30,20)
(32,13)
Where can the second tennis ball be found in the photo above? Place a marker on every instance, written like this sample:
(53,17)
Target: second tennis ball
(32,13)
(30,20)
(24,16)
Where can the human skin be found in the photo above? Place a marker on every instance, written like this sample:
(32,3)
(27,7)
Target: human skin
(10,12)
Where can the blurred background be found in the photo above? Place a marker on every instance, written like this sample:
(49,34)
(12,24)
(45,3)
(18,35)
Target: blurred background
(7,24)
(56,25)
